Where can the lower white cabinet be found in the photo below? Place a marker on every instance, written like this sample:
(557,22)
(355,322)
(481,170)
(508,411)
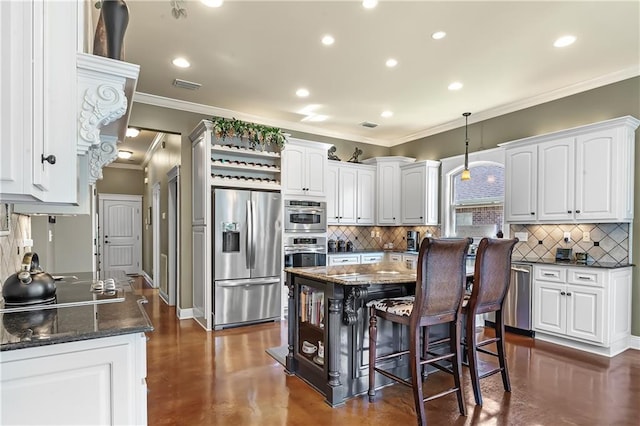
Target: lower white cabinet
(371,258)
(90,382)
(587,308)
(344,259)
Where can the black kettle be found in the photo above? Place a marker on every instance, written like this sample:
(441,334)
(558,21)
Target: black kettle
(29,286)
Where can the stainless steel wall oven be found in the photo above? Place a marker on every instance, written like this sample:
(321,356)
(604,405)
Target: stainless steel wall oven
(305,251)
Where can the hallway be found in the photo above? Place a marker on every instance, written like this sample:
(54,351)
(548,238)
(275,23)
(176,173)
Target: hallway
(227,378)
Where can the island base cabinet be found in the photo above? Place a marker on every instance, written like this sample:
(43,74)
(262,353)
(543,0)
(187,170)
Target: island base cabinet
(97,382)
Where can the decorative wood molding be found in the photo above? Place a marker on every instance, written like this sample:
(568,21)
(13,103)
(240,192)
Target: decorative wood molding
(99,156)
(101,105)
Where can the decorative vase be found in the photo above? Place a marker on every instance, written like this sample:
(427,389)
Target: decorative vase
(115,15)
(100,38)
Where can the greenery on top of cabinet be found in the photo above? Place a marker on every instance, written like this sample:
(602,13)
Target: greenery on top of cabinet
(255,134)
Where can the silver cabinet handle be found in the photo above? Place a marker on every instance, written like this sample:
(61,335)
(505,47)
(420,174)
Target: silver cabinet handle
(582,277)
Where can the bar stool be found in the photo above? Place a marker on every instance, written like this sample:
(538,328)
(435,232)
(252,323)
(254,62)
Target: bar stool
(441,276)
(490,284)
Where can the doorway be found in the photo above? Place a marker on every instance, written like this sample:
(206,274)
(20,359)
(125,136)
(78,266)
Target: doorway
(155,224)
(173,210)
(119,235)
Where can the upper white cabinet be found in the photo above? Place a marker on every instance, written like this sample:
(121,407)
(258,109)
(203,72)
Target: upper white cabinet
(37,101)
(350,194)
(419,182)
(304,166)
(62,112)
(583,174)
(388,207)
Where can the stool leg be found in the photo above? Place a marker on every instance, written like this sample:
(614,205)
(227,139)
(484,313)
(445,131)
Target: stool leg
(416,376)
(373,334)
(454,347)
(472,355)
(501,353)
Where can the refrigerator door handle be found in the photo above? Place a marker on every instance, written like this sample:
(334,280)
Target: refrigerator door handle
(249,235)
(247,283)
(252,258)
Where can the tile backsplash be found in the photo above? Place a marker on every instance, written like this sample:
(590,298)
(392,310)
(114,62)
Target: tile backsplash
(10,260)
(361,237)
(609,241)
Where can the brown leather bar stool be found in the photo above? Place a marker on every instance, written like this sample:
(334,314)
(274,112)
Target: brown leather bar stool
(490,284)
(438,297)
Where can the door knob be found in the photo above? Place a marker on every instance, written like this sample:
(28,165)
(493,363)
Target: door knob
(51,159)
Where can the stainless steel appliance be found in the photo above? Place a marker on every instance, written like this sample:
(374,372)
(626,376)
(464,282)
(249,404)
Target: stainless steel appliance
(517,302)
(305,251)
(246,256)
(413,240)
(305,216)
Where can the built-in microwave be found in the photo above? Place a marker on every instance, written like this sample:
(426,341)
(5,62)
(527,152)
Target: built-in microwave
(305,216)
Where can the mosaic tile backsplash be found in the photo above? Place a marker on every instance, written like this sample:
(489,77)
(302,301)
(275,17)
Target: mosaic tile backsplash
(10,260)
(609,241)
(361,237)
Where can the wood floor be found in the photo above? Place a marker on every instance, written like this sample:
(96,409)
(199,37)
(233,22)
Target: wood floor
(226,378)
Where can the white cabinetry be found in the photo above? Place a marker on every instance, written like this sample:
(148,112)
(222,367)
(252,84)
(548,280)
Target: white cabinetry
(304,166)
(368,258)
(420,193)
(337,259)
(388,209)
(588,308)
(97,381)
(577,175)
(350,194)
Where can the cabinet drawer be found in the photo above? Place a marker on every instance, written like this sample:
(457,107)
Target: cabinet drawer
(556,274)
(371,258)
(586,276)
(395,257)
(344,260)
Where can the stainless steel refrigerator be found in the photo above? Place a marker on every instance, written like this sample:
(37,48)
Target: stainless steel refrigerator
(247,245)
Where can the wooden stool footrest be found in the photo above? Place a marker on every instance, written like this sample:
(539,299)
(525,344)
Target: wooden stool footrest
(438,395)
(488,352)
(487,342)
(393,377)
(391,356)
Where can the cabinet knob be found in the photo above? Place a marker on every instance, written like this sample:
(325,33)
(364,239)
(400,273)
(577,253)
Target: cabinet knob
(533,213)
(359,218)
(336,217)
(51,159)
(394,218)
(577,211)
(568,211)
(568,293)
(562,293)
(420,217)
(106,242)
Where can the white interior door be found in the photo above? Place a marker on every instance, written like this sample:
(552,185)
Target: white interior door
(120,229)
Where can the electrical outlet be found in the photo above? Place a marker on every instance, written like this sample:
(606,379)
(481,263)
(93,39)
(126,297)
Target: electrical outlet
(373,234)
(567,237)
(377,234)
(586,236)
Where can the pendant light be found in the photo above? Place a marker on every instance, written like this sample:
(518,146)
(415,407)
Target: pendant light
(466,174)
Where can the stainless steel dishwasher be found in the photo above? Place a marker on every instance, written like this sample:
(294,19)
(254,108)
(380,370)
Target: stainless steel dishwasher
(517,303)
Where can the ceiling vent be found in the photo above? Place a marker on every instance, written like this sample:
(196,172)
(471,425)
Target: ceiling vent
(184,84)
(368,124)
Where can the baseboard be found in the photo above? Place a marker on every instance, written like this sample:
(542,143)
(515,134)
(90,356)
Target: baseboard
(164,296)
(634,342)
(147,279)
(185,313)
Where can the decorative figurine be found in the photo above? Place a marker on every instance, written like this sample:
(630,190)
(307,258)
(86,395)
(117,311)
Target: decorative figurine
(354,157)
(332,154)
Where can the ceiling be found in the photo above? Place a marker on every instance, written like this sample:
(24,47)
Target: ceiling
(252,56)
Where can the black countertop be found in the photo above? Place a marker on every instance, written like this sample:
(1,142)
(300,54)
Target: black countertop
(589,264)
(55,324)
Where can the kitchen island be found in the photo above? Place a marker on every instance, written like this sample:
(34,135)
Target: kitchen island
(327,309)
(81,360)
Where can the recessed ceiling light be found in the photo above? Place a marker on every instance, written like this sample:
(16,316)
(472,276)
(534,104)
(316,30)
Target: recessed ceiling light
(438,35)
(302,93)
(181,63)
(391,63)
(132,132)
(125,155)
(386,114)
(456,85)
(212,3)
(564,41)
(369,4)
(328,40)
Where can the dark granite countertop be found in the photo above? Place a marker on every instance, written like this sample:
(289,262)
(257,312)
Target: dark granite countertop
(589,264)
(54,324)
(332,253)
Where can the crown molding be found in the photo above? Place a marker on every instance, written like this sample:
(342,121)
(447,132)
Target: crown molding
(583,86)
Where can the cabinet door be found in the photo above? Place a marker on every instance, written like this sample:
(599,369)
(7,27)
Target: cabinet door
(316,165)
(388,194)
(351,259)
(200,237)
(585,313)
(556,180)
(413,195)
(201,189)
(366,197)
(333,191)
(595,187)
(293,170)
(521,184)
(348,181)
(549,305)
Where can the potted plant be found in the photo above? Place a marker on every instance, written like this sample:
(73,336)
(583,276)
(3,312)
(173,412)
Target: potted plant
(255,134)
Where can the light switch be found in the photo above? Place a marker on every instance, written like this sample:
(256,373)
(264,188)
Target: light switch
(586,236)
(164,215)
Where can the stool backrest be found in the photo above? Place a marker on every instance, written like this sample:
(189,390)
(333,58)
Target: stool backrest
(440,280)
(492,275)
